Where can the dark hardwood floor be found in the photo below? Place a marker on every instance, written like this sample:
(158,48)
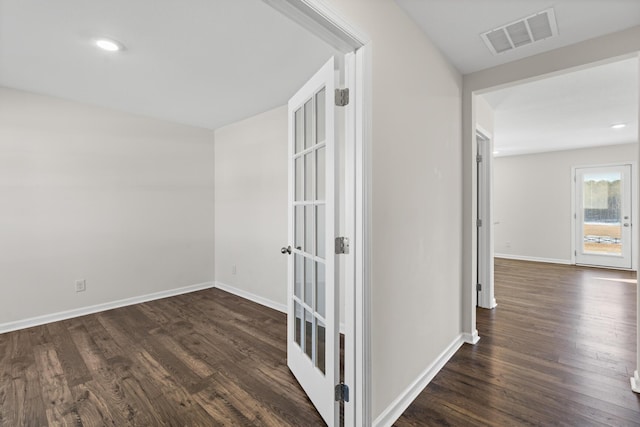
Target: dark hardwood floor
(203,359)
(558,350)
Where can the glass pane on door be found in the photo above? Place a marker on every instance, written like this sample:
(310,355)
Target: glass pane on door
(602,213)
(308,283)
(308,334)
(298,275)
(320,119)
(320,346)
(298,323)
(308,121)
(298,170)
(299,129)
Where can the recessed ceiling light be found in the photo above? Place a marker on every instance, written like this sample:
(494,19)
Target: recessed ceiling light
(618,126)
(496,152)
(109,45)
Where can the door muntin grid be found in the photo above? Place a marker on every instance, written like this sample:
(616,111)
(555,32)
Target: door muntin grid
(309,206)
(602,212)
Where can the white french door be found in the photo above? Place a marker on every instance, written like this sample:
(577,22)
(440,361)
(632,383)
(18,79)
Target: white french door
(312,324)
(603,216)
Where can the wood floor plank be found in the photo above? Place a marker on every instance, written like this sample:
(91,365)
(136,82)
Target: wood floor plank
(59,403)
(20,388)
(70,360)
(223,391)
(101,400)
(186,410)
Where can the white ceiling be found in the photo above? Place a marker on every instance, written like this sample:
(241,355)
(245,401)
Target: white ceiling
(455,25)
(568,111)
(204,63)
(564,112)
(208,63)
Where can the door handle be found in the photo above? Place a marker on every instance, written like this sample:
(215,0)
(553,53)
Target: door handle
(626,224)
(286,250)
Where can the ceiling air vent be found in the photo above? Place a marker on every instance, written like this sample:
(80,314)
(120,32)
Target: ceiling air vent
(523,32)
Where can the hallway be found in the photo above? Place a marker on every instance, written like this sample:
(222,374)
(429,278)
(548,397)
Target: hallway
(558,350)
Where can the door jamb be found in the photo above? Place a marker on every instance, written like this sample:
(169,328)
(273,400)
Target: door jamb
(325,22)
(485,209)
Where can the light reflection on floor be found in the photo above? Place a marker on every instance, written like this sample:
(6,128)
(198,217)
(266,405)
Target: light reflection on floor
(617,280)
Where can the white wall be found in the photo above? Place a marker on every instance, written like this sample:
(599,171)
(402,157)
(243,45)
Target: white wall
(251,205)
(484,117)
(87,193)
(416,217)
(533,200)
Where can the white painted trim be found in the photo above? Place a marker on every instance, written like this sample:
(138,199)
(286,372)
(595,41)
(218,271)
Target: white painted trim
(471,338)
(349,227)
(534,259)
(635,382)
(361,320)
(69,314)
(573,215)
(251,297)
(484,132)
(321,19)
(485,234)
(402,402)
(266,302)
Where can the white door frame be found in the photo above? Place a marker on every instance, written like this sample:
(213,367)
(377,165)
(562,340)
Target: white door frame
(634,209)
(485,230)
(610,48)
(326,23)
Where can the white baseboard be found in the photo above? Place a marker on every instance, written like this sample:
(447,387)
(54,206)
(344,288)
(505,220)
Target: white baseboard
(252,297)
(69,314)
(397,408)
(635,382)
(534,259)
(258,299)
(471,338)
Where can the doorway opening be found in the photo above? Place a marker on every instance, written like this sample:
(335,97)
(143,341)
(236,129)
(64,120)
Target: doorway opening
(531,211)
(545,171)
(308,345)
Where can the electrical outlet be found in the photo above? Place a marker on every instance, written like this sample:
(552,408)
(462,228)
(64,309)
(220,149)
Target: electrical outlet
(233,269)
(81,285)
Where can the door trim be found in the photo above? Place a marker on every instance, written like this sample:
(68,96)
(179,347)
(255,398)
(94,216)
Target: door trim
(633,180)
(327,23)
(484,240)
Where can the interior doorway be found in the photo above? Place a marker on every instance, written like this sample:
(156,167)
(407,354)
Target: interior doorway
(354,395)
(478,89)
